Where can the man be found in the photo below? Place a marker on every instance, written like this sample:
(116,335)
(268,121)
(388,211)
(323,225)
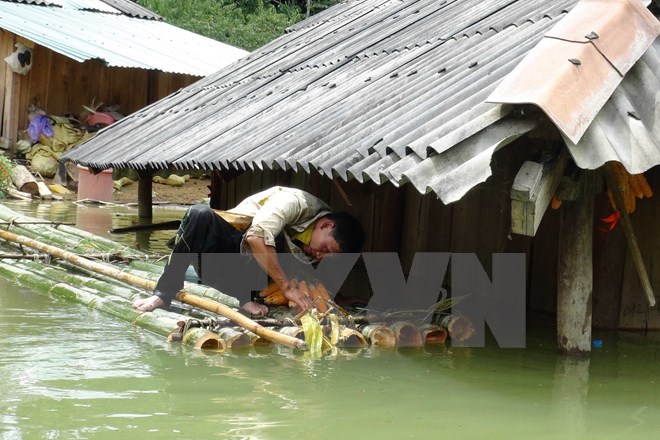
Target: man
(277,219)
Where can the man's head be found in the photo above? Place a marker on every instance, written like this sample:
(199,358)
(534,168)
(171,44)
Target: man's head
(333,233)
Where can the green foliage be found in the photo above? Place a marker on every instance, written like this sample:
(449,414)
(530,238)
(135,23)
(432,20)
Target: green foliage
(7,168)
(247,24)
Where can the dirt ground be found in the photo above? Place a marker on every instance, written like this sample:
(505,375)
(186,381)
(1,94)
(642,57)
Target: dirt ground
(193,191)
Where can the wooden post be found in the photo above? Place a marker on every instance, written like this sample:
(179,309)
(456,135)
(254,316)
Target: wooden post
(145,208)
(575,272)
(216,186)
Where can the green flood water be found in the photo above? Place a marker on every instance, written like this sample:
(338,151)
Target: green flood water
(67,372)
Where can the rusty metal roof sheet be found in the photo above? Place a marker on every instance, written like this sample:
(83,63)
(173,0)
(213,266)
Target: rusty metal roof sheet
(72,28)
(381,90)
(627,128)
(573,71)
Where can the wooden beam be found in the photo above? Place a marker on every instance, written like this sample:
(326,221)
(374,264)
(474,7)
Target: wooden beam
(532,191)
(575,272)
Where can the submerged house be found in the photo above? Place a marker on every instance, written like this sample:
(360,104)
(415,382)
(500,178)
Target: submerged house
(80,52)
(445,126)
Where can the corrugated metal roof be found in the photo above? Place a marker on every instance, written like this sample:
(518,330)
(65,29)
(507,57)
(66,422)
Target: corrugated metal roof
(126,7)
(84,5)
(132,9)
(627,128)
(583,59)
(116,39)
(386,90)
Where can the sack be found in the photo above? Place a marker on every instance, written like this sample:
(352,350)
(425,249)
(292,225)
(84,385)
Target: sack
(21,60)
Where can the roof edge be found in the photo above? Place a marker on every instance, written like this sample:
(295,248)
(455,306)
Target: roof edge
(585,58)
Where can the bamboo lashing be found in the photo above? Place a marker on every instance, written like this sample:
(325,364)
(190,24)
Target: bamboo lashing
(149,285)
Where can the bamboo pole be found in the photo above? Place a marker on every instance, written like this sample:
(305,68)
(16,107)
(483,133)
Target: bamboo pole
(59,274)
(160,322)
(433,334)
(240,319)
(349,337)
(379,335)
(184,297)
(35,222)
(234,338)
(293,331)
(458,327)
(203,339)
(147,266)
(98,287)
(407,334)
(629,233)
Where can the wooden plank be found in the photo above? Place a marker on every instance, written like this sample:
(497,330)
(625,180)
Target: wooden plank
(384,218)
(39,77)
(162,85)
(23,99)
(543,271)
(104,91)
(119,92)
(414,229)
(6,42)
(79,74)
(11,107)
(609,261)
(465,222)
(60,84)
(138,85)
(440,223)
(532,191)
(44,191)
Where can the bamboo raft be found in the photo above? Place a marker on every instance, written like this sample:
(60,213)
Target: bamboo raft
(63,261)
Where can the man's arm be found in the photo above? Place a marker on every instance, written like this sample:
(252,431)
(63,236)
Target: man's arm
(266,257)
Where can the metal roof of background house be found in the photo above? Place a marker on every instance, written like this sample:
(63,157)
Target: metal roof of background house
(111,31)
(386,90)
(127,7)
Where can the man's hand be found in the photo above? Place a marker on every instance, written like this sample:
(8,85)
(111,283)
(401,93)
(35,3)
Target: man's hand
(255,309)
(297,296)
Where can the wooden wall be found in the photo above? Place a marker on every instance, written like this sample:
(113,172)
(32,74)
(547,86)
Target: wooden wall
(60,85)
(404,221)
(618,299)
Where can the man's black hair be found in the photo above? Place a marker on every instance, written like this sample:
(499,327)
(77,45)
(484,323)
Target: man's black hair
(347,232)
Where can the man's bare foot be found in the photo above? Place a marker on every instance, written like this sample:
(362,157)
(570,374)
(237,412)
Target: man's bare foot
(255,309)
(148,304)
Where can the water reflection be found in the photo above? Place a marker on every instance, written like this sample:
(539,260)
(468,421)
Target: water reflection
(569,395)
(101,218)
(94,219)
